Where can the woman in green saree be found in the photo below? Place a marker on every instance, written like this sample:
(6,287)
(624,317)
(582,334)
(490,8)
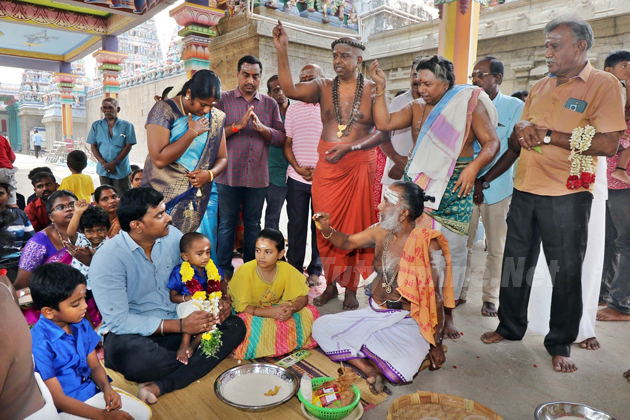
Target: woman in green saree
(187,150)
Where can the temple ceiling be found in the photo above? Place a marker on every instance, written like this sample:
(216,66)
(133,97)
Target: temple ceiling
(66,30)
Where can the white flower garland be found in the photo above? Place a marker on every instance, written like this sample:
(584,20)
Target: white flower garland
(580,142)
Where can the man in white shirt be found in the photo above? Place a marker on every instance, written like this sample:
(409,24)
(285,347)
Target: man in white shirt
(398,148)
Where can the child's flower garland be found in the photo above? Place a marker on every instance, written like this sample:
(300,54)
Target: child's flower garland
(193,285)
(582,172)
(211,340)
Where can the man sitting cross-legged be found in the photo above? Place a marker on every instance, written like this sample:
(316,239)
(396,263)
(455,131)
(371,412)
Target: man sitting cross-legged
(405,317)
(141,332)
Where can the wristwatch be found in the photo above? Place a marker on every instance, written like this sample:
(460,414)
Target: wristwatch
(484,184)
(547,138)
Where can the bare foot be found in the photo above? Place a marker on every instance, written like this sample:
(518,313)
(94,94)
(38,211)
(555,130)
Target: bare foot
(621,175)
(627,375)
(460,302)
(350,302)
(609,314)
(488,309)
(312,280)
(450,330)
(148,392)
(590,344)
(331,292)
(376,382)
(491,337)
(182,355)
(563,364)
(373,374)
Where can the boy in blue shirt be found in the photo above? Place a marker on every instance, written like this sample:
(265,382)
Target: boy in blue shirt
(64,343)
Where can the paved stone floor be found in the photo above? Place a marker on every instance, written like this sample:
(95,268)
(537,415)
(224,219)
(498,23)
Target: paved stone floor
(512,378)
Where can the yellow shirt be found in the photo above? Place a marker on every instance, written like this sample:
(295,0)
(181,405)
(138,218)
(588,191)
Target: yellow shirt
(81,185)
(549,106)
(247,288)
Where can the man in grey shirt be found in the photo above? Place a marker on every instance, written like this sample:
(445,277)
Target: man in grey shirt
(141,332)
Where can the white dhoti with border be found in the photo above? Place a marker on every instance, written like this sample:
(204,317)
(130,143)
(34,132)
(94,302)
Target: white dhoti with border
(592,267)
(388,337)
(136,408)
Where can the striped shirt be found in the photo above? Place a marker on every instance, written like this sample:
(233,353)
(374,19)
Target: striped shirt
(247,150)
(304,125)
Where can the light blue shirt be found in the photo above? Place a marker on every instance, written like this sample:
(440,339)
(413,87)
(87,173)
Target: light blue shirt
(510,110)
(37,139)
(110,147)
(130,291)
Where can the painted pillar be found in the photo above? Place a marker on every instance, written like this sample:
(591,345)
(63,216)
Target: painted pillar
(199,24)
(459,29)
(110,66)
(65,84)
(15,135)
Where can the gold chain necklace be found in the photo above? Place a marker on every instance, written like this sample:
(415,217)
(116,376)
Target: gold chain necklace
(387,284)
(275,276)
(181,104)
(58,234)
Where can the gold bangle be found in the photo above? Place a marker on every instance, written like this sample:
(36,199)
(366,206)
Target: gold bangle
(195,131)
(331,233)
(254,312)
(211,175)
(379,94)
(301,305)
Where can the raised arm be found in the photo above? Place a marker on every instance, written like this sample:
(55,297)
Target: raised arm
(383,119)
(162,151)
(73,227)
(305,92)
(342,240)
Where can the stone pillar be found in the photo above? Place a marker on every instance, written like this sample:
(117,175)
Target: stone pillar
(65,84)
(199,24)
(459,29)
(15,135)
(110,66)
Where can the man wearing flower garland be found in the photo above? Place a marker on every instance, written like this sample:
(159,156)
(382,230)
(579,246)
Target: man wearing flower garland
(141,330)
(552,198)
(344,179)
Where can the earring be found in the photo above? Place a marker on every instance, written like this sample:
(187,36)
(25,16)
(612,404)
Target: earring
(186,97)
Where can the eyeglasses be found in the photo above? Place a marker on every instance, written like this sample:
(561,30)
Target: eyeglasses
(63,207)
(480,75)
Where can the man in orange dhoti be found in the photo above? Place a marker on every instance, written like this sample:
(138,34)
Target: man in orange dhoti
(344,176)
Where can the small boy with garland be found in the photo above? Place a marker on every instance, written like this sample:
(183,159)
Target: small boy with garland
(197,275)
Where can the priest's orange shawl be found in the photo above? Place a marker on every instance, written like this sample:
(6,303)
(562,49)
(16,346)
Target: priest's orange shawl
(415,282)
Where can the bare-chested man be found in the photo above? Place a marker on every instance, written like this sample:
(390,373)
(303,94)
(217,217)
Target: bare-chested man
(344,178)
(445,124)
(405,318)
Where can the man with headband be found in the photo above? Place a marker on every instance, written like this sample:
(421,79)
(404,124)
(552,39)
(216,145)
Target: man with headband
(405,318)
(344,178)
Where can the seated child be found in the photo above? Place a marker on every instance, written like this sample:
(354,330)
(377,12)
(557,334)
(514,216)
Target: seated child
(271,297)
(196,274)
(92,224)
(81,185)
(63,349)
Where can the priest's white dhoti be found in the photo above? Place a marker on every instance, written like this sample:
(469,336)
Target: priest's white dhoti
(388,337)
